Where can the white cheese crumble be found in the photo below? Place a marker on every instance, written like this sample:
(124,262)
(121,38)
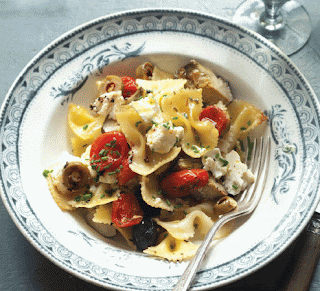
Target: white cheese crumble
(163,136)
(238,177)
(148,109)
(213,162)
(106,104)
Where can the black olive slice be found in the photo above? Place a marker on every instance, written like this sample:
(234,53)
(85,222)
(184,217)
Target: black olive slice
(145,234)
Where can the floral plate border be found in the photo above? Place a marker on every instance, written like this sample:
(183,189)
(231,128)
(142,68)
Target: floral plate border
(105,29)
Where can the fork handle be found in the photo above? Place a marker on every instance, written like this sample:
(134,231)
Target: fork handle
(190,272)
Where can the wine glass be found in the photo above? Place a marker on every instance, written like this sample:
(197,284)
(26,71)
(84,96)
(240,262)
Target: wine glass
(284,22)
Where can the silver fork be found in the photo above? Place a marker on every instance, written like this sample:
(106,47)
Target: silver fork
(259,164)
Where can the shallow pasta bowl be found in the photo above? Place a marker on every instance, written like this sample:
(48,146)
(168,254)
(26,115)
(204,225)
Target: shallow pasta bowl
(66,71)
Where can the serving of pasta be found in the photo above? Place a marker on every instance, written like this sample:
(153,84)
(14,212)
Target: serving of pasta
(157,158)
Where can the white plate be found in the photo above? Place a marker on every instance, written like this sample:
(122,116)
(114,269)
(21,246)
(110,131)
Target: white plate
(33,132)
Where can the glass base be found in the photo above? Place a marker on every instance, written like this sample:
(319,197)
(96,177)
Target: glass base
(290,35)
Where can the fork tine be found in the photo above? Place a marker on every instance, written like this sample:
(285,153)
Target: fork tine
(263,171)
(258,156)
(260,168)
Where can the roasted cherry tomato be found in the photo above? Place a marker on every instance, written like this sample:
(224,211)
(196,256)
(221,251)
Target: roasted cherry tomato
(126,211)
(217,115)
(125,174)
(130,86)
(181,183)
(108,151)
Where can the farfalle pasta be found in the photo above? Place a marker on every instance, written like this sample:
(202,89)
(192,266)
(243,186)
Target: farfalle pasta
(155,158)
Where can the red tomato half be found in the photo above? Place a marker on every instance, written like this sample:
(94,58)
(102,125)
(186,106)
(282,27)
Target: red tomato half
(217,115)
(126,211)
(181,183)
(130,86)
(108,151)
(125,174)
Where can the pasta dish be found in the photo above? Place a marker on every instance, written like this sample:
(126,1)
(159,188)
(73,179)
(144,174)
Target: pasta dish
(157,158)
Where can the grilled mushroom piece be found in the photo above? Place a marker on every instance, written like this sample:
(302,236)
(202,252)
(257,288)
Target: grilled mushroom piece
(213,88)
(76,176)
(111,83)
(144,71)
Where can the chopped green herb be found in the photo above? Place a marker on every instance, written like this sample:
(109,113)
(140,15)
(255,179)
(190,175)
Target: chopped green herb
(107,167)
(77,198)
(138,122)
(224,162)
(243,128)
(217,156)
(45,173)
(234,186)
(85,127)
(86,197)
(166,125)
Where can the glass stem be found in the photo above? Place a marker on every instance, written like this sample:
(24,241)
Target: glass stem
(272,11)
(272,19)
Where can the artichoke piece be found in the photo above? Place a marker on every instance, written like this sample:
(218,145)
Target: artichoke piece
(225,205)
(214,89)
(210,192)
